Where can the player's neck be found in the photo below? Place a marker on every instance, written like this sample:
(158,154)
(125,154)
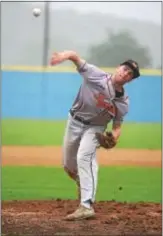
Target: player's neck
(117,87)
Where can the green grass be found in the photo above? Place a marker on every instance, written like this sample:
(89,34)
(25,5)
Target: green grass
(139,184)
(31,132)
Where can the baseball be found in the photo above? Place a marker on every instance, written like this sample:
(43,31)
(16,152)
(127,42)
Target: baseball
(36,11)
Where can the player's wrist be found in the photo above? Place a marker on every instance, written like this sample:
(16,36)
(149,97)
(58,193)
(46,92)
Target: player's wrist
(71,55)
(116,134)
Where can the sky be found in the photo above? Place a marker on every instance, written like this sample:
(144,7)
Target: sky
(150,11)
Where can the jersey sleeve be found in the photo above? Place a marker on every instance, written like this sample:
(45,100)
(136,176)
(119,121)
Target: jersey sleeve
(118,119)
(90,72)
(122,110)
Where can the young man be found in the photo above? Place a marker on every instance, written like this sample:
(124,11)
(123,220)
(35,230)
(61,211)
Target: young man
(100,100)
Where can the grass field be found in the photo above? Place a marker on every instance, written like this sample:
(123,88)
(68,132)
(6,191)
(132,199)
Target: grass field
(31,132)
(138,184)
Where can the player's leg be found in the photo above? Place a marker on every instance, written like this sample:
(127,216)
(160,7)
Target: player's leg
(70,148)
(88,166)
(88,173)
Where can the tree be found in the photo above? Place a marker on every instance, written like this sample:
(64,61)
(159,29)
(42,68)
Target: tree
(117,48)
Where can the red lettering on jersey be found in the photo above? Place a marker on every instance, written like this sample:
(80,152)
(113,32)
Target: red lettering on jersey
(103,102)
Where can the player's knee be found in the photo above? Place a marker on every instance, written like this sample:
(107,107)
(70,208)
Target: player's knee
(70,173)
(66,169)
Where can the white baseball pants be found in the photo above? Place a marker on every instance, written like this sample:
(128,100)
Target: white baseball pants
(79,157)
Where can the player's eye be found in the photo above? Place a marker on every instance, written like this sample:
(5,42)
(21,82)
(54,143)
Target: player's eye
(126,68)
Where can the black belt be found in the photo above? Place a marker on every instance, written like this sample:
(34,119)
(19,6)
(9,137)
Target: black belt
(79,118)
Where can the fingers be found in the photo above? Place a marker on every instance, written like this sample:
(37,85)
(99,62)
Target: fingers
(55,59)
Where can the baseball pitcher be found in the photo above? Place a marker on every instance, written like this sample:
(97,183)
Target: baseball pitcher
(100,100)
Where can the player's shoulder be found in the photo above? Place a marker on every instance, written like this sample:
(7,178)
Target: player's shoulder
(122,98)
(121,95)
(125,96)
(94,67)
(122,104)
(125,99)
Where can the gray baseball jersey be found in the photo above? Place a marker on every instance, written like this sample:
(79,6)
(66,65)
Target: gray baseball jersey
(96,100)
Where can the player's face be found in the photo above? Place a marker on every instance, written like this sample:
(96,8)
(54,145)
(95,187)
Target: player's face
(123,75)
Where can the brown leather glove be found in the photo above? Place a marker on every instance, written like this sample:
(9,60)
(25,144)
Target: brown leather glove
(107,140)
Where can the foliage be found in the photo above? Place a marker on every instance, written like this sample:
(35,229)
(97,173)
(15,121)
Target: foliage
(117,48)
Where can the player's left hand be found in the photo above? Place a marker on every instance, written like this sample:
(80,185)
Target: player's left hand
(107,140)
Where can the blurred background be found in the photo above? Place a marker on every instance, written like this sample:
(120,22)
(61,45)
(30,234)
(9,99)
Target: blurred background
(36,99)
(104,33)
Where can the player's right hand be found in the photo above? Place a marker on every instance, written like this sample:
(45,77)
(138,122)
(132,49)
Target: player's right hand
(56,58)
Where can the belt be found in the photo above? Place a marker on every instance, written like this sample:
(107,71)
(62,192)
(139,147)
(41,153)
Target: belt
(79,118)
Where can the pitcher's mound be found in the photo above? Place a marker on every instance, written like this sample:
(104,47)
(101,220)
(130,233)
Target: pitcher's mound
(112,218)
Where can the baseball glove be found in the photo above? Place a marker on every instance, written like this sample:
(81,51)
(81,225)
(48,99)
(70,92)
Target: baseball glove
(107,140)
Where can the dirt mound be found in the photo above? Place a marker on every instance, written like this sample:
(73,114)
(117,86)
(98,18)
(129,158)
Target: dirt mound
(112,218)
